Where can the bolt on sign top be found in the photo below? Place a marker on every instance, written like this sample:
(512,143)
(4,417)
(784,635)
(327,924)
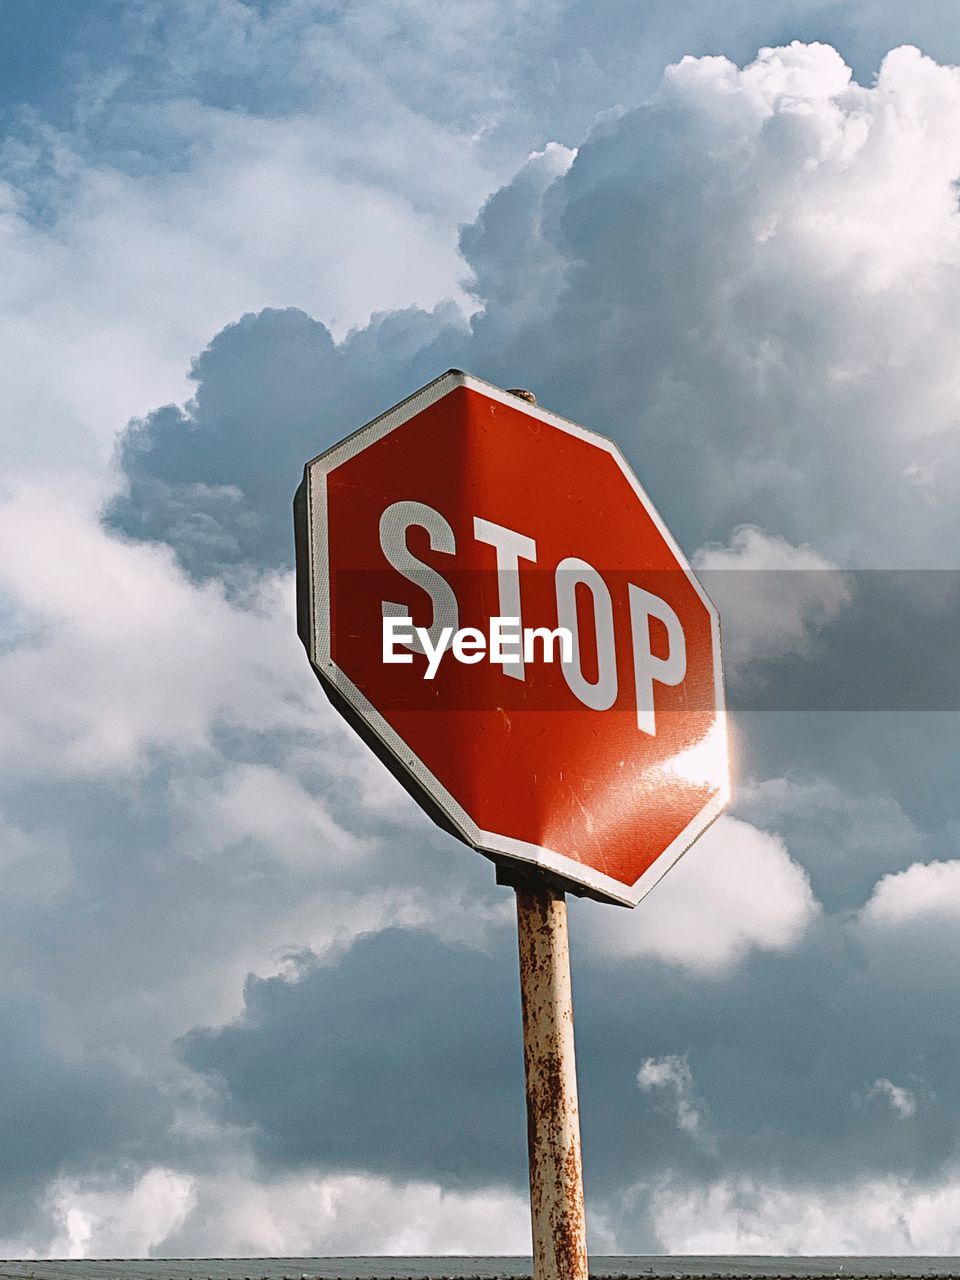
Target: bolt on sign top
(491,600)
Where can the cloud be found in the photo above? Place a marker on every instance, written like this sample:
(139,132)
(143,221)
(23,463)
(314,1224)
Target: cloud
(672,1074)
(925,893)
(708,280)
(435,1006)
(720,1051)
(63,1103)
(349,1214)
(125,1223)
(843,836)
(902,1100)
(170,761)
(125,657)
(164,203)
(773,598)
(749,383)
(35,868)
(737,889)
(215,480)
(259,805)
(516,268)
(748,276)
(138,271)
(874,1216)
(166,1213)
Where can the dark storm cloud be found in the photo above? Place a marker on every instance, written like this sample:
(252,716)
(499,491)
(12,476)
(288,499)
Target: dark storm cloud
(404,1058)
(215,480)
(60,1108)
(401,1059)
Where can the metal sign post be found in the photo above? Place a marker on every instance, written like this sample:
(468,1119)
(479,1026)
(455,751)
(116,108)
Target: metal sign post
(550,1069)
(553,1117)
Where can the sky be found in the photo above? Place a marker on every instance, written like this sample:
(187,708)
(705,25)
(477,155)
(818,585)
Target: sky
(251,1000)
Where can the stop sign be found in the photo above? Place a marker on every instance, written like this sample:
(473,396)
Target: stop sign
(574,718)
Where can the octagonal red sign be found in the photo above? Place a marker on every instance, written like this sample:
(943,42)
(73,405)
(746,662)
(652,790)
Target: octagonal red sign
(592,743)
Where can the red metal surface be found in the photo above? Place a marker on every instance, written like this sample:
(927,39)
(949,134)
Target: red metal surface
(526,759)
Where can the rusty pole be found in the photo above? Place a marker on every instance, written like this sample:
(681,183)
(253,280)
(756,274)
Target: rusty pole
(553,1118)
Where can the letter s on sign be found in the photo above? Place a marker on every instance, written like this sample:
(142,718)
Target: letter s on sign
(394,523)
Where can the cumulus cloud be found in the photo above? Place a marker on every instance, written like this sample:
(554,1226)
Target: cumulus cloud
(844,836)
(115,299)
(773,598)
(215,180)
(876,1216)
(737,889)
(750,280)
(155,728)
(127,1223)
(349,1214)
(123,656)
(713,283)
(925,893)
(448,1014)
(265,807)
(173,773)
(166,1213)
(769,352)
(63,1102)
(215,479)
(517,269)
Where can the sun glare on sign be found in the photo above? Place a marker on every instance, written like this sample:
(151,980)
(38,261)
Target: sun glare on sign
(706,763)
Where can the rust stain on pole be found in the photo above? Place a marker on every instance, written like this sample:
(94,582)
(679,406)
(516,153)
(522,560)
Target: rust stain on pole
(553,1118)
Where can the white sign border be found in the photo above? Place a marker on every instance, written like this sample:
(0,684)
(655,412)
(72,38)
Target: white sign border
(318,570)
